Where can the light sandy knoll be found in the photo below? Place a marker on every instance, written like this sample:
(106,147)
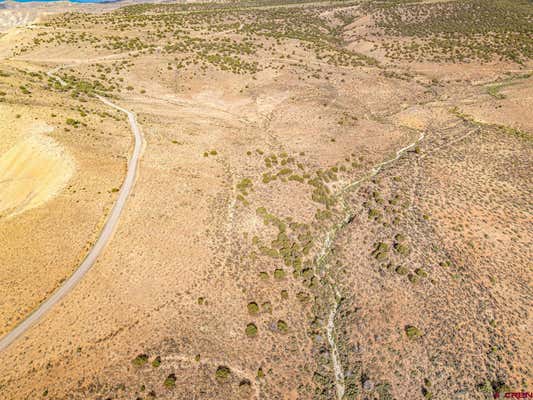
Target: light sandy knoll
(31,173)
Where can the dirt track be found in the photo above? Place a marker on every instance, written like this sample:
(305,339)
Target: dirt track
(102,240)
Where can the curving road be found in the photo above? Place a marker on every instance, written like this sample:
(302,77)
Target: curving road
(102,240)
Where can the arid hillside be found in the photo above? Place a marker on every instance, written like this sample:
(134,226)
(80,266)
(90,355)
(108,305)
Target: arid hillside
(333,201)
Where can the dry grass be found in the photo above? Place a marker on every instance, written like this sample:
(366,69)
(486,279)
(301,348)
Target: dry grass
(259,201)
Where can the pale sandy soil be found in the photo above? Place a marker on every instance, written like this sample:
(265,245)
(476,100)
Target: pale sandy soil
(13,14)
(33,171)
(56,190)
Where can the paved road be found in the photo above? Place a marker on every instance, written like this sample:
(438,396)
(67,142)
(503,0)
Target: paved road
(102,240)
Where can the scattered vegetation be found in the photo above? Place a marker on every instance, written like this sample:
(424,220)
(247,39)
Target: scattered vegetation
(251,330)
(456,31)
(413,332)
(170,381)
(140,360)
(253,308)
(282,326)
(222,373)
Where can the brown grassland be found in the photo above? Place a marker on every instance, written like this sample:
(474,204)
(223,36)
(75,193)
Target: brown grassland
(333,201)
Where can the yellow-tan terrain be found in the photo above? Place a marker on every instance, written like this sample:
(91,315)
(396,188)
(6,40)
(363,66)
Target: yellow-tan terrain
(333,201)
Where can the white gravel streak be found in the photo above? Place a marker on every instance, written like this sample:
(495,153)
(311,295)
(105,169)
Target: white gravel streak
(326,248)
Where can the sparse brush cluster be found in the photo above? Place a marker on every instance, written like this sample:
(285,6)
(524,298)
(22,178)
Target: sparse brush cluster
(230,39)
(456,31)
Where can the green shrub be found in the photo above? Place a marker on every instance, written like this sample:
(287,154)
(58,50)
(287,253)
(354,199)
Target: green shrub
(374,214)
(412,332)
(421,273)
(282,326)
(245,185)
(222,373)
(73,122)
(251,330)
(381,251)
(170,381)
(401,270)
(399,237)
(157,362)
(296,178)
(279,273)
(402,249)
(253,308)
(140,360)
(303,297)
(427,394)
